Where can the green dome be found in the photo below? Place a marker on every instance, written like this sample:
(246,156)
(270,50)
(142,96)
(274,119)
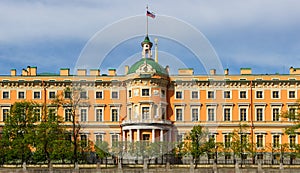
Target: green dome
(149,61)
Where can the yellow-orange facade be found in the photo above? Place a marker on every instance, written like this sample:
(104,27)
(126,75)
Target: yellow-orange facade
(148,104)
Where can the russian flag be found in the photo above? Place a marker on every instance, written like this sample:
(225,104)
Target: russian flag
(150,14)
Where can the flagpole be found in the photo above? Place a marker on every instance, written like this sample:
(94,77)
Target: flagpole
(147,20)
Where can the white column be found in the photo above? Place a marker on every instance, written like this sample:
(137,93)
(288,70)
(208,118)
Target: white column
(138,135)
(161,135)
(170,135)
(130,135)
(123,135)
(153,135)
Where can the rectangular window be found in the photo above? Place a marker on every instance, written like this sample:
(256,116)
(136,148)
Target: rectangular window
(83,115)
(52,112)
(292,140)
(292,94)
(68,94)
(5,113)
(276,141)
(51,94)
(210,94)
(163,113)
(37,113)
(210,114)
(243,114)
(68,115)
(195,95)
(275,114)
(227,141)
(5,94)
(179,137)
(129,93)
(145,92)
(179,114)
(21,95)
(178,95)
(99,115)
(292,114)
(129,113)
(212,138)
(259,94)
(259,141)
(275,94)
(99,95)
(114,94)
(114,115)
(114,140)
(227,95)
(83,95)
(195,114)
(244,139)
(243,94)
(145,113)
(163,93)
(227,114)
(83,140)
(99,139)
(36,95)
(259,114)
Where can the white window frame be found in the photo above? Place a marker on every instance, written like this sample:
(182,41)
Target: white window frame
(102,116)
(214,111)
(263,140)
(99,134)
(40,116)
(87,114)
(102,94)
(230,138)
(198,94)
(243,91)
(182,94)
(263,112)
(149,113)
(247,110)
(38,92)
(111,94)
(296,139)
(111,109)
(223,113)
(288,94)
(198,109)
(111,138)
(263,94)
(49,94)
(65,114)
(279,111)
(273,135)
(8,94)
(24,94)
(214,94)
(230,94)
(2,109)
(279,94)
(182,109)
(149,89)
(129,113)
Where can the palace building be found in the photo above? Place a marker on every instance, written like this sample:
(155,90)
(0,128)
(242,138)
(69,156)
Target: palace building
(146,103)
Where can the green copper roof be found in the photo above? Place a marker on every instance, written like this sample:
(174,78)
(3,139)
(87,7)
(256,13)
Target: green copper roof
(158,68)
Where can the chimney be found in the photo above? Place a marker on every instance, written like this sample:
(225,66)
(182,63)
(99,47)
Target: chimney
(186,71)
(33,71)
(13,72)
(24,72)
(246,71)
(226,71)
(94,72)
(212,71)
(64,72)
(126,69)
(112,72)
(81,72)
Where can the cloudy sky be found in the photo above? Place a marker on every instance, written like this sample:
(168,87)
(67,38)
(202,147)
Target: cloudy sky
(52,34)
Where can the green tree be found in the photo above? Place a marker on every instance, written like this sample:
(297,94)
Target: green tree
(19,131)
(197,144)
(48,133)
